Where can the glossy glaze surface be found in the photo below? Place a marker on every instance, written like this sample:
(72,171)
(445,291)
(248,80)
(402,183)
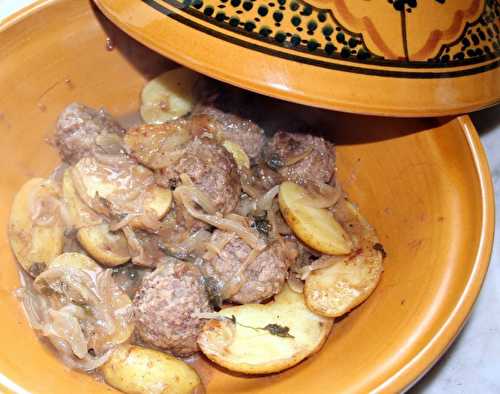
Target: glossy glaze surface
(423,184)
(391,58)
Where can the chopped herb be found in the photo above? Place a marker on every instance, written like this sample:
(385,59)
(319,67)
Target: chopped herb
(273,329)
(278,330)
(261,224)
(379,247)
(179,255)
(213,292)
(275,162)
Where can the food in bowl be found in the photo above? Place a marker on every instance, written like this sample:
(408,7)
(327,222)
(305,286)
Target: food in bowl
(198,230)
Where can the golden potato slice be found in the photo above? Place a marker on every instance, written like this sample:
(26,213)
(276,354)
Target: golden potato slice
(239,155)
(158,200)
(36,231)
(109,249)
(316,227)
(168,96)
(124,187)
(81,215)
(249,345)
(335,290)
(156,146)
(137,370)
(75,260)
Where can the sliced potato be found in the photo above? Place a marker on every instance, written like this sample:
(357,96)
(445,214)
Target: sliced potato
(239,155)
(81,215)
(109,249)
(156,146)
(75,260)
(128,180)
(316,227)
(255,350)
(34,244)
(337,289)
(168,96)
(158,200)
(137,370)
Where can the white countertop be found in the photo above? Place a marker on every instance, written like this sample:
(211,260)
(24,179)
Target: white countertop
(472,364)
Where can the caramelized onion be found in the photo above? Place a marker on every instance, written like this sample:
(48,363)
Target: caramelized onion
(78,310)
(295,159)
(322,262)
(232,286)
(243,231)
(265,201)
(295,283)
(321,195)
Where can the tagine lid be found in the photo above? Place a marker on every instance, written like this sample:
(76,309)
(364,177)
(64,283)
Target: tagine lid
(391,58)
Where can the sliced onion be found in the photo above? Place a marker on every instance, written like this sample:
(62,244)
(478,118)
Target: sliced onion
(233,285)
(321,195)
(111,143)
(322,262)
(135,248)
(295,283)
(66,326)
(123,222)
(265,201)
(195,242)
(72,283)
(295,159)
(247,185)
(244,232)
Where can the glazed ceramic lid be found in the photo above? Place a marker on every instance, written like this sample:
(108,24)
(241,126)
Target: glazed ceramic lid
(396,57)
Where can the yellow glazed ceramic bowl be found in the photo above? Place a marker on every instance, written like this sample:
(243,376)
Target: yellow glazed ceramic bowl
(423,183)
(391,58)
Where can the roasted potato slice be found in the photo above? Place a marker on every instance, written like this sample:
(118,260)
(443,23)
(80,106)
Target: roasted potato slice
(109,249)
(81,215)
(75,260)
(137,370)
(36,230)
(335,290)
(239,155)
(316,227)
(129,185)
(156,146)
(168,96)
(158,200)
(256,338)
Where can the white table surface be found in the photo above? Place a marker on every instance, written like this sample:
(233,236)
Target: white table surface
(472,364)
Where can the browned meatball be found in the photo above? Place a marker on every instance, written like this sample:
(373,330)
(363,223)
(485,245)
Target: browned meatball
(243,132)
(261,279)
(211,168)
(166,308)
(77,129)
(301,157)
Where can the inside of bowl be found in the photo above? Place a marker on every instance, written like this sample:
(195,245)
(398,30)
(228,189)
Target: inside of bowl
(415,180)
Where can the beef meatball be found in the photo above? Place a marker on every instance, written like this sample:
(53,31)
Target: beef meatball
(261,279)
(166,308)
(301,157)
(232,127)
(77,129)
(211,168)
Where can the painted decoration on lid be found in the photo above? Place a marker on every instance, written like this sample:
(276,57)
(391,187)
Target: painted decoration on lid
(409,34)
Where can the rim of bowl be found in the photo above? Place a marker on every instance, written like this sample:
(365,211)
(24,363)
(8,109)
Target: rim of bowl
(429,354)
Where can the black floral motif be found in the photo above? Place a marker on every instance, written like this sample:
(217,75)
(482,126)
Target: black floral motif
(399,5)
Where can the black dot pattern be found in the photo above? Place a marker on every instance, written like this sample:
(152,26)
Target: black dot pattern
(296,24)
(481,39)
